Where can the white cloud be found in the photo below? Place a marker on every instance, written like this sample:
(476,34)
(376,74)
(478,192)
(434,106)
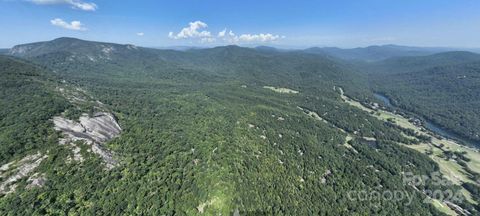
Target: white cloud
(247,38)
(192,31)
(77,4)
(222,33)
(197,30)
(140,34)
(74,25)
(258,37)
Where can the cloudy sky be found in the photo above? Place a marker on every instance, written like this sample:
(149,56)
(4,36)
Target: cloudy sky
(282,23)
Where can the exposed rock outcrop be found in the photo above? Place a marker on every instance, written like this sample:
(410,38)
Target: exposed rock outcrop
(99,128)
(94,131)
(16,170)
(36,180)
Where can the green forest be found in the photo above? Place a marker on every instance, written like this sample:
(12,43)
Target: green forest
(201,134)
(442,88)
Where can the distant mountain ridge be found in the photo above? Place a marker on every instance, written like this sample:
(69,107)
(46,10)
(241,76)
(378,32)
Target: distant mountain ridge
(72,45)
(370,53)
(375,53)
(256,65)
(406,64)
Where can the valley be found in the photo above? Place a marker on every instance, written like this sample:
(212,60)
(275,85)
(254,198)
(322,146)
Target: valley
(432,126)
(219,130)
(441,88)
(437,148)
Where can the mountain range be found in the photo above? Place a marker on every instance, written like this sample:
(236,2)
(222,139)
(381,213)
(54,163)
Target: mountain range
(233,130)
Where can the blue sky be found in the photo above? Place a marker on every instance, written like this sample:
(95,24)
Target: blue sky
(282,23)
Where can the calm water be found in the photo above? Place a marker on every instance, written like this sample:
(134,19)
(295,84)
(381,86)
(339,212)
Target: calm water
(432,126)
(384,99)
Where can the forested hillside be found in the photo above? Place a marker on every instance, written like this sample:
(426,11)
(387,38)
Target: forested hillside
(407,64)
(113,61)
(443,88)
(218,131)
(28,103)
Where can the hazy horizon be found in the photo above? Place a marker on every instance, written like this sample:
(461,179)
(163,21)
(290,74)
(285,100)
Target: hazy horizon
(302,24)
(281,47)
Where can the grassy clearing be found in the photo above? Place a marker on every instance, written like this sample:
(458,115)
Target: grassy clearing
(442,207)
(281,90)
(347,139)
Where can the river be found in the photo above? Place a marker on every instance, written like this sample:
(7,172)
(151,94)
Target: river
(432,126)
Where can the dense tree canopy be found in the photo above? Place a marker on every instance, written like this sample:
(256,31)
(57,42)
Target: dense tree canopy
(201,134)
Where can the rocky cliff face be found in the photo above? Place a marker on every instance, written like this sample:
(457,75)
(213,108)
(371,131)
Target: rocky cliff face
(99,128)
(19,50)
(94,131)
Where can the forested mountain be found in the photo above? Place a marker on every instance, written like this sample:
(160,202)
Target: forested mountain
(374,53)
(71,45)
(95,59)
(443,88)
(206,131)
(268,49)
(408,64)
